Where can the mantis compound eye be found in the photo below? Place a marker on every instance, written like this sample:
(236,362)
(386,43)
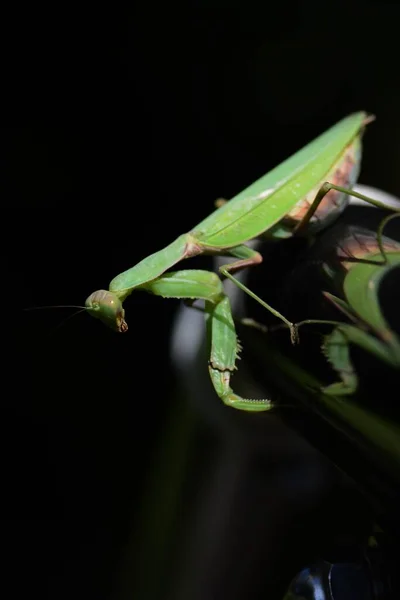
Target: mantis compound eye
(107,307)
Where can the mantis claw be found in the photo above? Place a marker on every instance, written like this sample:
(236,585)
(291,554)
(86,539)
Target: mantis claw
(224,352)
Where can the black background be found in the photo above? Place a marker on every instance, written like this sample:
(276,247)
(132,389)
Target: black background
(122,127)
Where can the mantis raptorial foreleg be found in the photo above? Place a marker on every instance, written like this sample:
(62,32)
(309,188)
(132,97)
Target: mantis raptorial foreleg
(222,342)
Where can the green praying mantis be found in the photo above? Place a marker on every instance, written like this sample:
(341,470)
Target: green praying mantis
(300,196)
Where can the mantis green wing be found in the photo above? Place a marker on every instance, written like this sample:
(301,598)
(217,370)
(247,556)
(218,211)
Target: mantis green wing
(262,205)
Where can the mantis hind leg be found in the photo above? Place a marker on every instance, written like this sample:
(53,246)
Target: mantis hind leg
(247,258)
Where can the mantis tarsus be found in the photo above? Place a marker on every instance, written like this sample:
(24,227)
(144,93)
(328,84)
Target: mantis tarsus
(302,194)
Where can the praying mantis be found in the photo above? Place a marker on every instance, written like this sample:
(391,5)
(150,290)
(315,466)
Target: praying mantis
(300,196)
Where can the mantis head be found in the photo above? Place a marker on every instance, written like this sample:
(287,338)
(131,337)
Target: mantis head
(107,307)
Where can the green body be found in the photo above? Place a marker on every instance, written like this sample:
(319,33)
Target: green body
(267,208)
